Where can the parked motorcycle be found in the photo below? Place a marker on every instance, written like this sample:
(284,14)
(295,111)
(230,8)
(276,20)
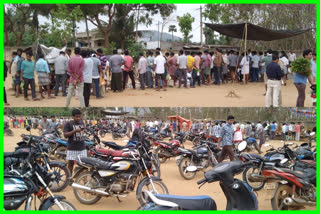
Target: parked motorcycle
(14,162)
(117,179)
(6,130)
(249,144)
(238,194)
(314,94)
(201,157)
(294,190)
(19,188)
(165,151)
(119,133)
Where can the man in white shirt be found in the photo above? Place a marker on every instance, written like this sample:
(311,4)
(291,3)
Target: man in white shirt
(292,56)
(151,124)
(159,62)
(87,76)
(142,67)
(182,62)
(156,124)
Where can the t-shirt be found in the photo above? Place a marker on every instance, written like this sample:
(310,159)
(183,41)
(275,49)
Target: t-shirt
(159,61)
(298,128)
(115,63)
(314,68)
(76,141)
(45,125)
(255,59)
(182,61)
(95,69)
(232,60)
(190,60)
(128,63)
(87,71)
(273,127)
(197,62)
(28,69)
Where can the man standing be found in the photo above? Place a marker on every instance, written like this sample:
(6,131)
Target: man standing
(274,74)
(18,75)
(217,66)
(44,124)
(226,140)
(60,69)
(159,70)
(255,67)
(54,124)
(75,70)
(184,126)
(103,61)
(96,72)
(128,70)
(142,67)
(292,56)
(115,62)
(273,129)
(27,74)
(182,67)
(190,65)
(266,60)
(196,71)
(43,72)
(150,62)
(87,76)
(232,65)
(73,130)
(298,131)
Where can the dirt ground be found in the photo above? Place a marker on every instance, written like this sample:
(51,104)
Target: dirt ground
(170,175)
(250,95)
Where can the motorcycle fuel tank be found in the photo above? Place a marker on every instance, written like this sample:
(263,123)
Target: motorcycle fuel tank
(122,165)
(202,150)
(175,143)
(14,186)
(277,157)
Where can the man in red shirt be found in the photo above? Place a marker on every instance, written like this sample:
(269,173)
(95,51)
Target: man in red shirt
(128,70)
(75,70)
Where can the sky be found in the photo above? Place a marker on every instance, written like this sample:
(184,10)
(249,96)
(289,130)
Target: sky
(193,9)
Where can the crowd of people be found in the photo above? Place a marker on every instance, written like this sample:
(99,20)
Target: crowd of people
(88,72)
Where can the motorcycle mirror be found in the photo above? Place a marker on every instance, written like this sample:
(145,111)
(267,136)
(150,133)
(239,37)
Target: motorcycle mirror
(284,160)
(312,133)
(290,144)
(126,141)
(242,146)
(266,145)
(191,168)
(28,128)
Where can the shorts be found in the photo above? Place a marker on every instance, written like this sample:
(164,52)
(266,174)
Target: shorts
(232,68)
(17,81)
(161,76)
(207,71)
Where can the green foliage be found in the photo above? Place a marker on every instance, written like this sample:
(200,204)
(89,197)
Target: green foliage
(109,50)
(134,49)
(301,66)
(185,24)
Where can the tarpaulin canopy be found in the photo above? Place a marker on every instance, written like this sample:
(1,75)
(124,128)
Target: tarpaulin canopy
(254,32)
(181,119)
(50,53)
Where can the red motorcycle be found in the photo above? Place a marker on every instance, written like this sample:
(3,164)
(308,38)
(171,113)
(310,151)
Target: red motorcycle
(204,137)
(295,189)
(164,150)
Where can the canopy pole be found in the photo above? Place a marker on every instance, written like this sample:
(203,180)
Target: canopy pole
(245,46)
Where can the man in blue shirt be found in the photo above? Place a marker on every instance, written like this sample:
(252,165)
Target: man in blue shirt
(27,75)
(226,140)
(17,80)
(43,71)
(300,81)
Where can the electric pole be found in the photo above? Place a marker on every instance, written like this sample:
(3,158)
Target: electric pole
(159,34)
(201,28)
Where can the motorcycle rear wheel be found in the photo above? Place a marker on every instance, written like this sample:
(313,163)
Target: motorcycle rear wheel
(62,174)
(281,192)
(184,163)
(161,156)
(86,179)
(256,186)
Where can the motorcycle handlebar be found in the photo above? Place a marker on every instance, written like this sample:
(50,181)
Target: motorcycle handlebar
(202,181)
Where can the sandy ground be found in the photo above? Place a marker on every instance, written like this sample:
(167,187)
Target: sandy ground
(171,177)
(250,95)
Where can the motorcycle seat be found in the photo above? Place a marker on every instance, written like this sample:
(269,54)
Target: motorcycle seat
(113,153)
(299,174)
(97,163)
(199,202)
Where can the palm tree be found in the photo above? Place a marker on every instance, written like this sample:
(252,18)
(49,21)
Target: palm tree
(172,28)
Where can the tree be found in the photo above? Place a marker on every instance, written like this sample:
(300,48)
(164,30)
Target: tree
(165,12)
(172,28)
(185,24)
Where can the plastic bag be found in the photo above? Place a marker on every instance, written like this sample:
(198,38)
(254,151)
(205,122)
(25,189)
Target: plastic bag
(102,81)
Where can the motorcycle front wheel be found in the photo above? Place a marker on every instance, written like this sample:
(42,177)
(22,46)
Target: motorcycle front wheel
(85,178)
(65,204)
(281,192)
(145,184)
(161,155)
(61,174)
(102,134)
(184,163)
(256,186)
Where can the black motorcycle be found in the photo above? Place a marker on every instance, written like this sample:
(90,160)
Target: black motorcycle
(97,178)
(14,161)
(119,133)
(238,194)
(19,188)
(201,157)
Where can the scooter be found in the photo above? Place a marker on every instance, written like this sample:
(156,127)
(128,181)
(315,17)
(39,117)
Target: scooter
(238,194)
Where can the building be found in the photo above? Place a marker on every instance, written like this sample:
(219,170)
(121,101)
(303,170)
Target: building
(96,39)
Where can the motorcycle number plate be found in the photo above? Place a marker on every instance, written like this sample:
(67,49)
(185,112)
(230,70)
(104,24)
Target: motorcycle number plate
(314,100)
(269,186)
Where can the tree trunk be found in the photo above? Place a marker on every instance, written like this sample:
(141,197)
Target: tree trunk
(122,44)
(106,39)
(74,32)
(87,30)
(5,27)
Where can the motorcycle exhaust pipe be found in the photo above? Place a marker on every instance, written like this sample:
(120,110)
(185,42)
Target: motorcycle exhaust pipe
(88,189)
(256,178)
(297,202)
(61,153)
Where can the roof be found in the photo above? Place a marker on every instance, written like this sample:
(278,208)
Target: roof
(254,32)
(114,113)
